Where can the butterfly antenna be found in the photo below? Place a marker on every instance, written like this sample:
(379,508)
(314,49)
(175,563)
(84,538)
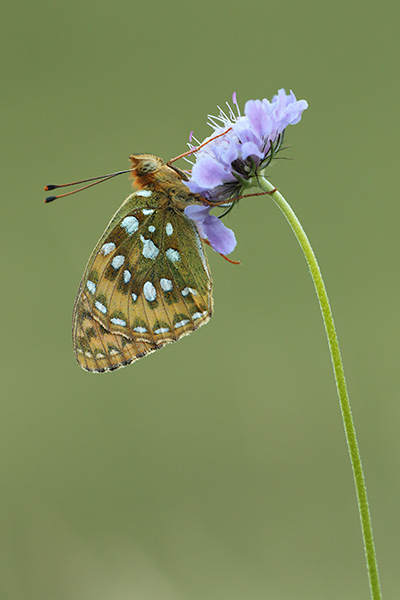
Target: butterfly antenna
(94,180)
(197,148)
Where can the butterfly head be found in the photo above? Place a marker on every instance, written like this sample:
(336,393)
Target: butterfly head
(144,166)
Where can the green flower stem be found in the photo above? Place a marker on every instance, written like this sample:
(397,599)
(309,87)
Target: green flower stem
(348,423)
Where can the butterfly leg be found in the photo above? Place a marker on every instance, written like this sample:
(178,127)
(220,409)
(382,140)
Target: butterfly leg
(233,262)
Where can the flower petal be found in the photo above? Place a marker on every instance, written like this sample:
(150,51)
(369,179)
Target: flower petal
(209,173)
(221,238)
(250,149)
(197,212)
(295,111)
(259,117)
(286,110)
(194,187)
(229,154)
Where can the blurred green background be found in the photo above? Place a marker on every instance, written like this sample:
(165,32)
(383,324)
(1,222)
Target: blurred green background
(216,468)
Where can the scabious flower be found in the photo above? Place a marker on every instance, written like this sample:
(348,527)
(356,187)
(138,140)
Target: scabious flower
(232,163)
(225,165)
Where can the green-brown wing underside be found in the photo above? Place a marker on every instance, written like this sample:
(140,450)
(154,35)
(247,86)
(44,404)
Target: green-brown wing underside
(147,283)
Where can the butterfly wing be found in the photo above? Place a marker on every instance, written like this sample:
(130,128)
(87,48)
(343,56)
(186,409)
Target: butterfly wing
(147,283)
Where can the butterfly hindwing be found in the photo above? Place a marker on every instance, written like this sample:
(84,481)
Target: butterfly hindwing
(147,283)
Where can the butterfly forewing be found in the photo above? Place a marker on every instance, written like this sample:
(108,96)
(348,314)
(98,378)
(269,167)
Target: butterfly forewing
(147,283)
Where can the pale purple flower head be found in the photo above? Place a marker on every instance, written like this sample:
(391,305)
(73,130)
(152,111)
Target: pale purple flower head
(225,164)
(246,149)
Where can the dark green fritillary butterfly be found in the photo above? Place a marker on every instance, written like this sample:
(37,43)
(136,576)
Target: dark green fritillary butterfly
(147,282)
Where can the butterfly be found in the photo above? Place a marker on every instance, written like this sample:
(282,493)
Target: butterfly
(147,281)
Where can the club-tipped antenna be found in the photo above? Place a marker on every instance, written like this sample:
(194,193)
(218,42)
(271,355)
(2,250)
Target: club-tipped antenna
(94,180)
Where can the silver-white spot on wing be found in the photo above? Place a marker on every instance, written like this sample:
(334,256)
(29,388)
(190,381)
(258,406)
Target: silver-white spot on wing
(197,315)
(166,284)
(162,330)
(149,291)
(150,250)
(188,290)
(117,321)
(181,323)
(118,261)
(107,248)
(91,286)
(173,255)
(130,224)
(100,307)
